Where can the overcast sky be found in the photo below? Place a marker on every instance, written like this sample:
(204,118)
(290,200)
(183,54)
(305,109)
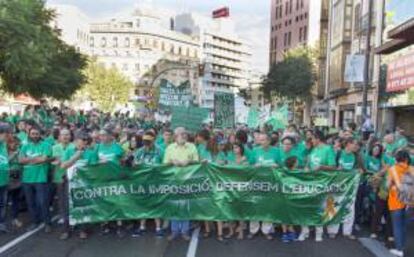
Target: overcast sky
(251,17)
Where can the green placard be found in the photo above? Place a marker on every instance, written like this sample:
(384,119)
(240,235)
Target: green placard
(210,192)
(190,118)
(253,118)
(224,113)
(171,95)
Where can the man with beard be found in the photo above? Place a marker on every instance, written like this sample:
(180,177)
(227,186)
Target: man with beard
(35,158)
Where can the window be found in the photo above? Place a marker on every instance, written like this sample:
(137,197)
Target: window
(127,42)
(285,39)
(301,4)
(172,48)
(287,8)
(290,6)
(125,66)
(300,34)
(357,19)
(115,42)
(137,42)
(297,4)
(162,46)
(137,66)
(180,50)
(103,41)
(91,42)
(305,33)
(289,37)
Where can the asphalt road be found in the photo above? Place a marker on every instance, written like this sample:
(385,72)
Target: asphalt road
(41,245)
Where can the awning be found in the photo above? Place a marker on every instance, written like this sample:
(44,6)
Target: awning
(401,37)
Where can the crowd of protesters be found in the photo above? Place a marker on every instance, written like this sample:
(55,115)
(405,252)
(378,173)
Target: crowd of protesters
(39,145)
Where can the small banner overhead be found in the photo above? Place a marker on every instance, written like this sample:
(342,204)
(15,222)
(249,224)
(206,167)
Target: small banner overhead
(171,95)
(253,118)
(224,114)
(189,118)
(210,192)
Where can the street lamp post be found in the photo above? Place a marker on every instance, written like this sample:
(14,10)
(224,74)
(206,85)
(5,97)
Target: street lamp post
(367,63)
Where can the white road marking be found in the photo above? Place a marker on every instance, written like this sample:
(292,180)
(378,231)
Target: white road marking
(19,239)
(192,248)
(375,247)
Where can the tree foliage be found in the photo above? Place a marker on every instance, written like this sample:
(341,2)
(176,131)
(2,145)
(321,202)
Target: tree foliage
(294,77)
(106,87)
(33,59)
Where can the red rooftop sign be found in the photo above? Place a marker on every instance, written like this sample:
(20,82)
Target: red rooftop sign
(222,12)
(400,74)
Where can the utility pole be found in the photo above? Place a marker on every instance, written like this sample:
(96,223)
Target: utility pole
(367,63)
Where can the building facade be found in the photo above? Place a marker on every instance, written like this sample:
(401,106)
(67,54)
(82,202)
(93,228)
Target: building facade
(296,23)
(138,44)
(348,31)
(225,56)
(396,94)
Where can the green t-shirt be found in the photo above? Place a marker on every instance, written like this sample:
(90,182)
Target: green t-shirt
(35,173)
(59,152)
(249,153)
(4,165)
(266,157)
(293,152)
(372,164)
(322,155)
(204,153)
(22,136)
(110,152)
(221,157)
(88,157)
(148,156)
(347,161)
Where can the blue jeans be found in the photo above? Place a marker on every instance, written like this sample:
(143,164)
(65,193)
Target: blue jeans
(37,199)
(180,227)
(3,201)
(399,224)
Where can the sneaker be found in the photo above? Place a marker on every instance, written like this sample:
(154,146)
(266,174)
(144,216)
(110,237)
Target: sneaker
(64,236)
(332,236)
(3,228)
(373,236)
(350,237)
(83,235)
(185,237)
(31,227)
(250,236)
(17,223)
(397,253)
(172,237)
(318,238)
(303,236)
(48,229)
(104,230)
(292,236)
(285,238)
(136,233)
(120,232)
(159,233)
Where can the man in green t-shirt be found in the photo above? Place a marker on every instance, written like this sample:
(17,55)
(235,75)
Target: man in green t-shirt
(4,174)
(35,157)
(321,158)
(264,155)
(81,155)
(59,151)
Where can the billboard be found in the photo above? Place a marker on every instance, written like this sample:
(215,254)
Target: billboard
(400,73)
(221,13)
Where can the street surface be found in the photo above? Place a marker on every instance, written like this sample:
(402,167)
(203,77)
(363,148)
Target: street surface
(41,244)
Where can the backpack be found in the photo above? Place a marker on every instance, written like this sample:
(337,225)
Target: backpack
(406,188)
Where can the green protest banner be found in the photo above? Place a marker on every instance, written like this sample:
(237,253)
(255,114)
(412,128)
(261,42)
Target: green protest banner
(210,192)
(171,95)
(279,119)
(190,118)
(253,118)
(224,113)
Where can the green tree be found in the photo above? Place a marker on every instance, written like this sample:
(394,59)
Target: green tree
(106,87)
(33,59)
(294,77)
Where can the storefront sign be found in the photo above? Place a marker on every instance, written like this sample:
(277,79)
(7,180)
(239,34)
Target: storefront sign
(400,74)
